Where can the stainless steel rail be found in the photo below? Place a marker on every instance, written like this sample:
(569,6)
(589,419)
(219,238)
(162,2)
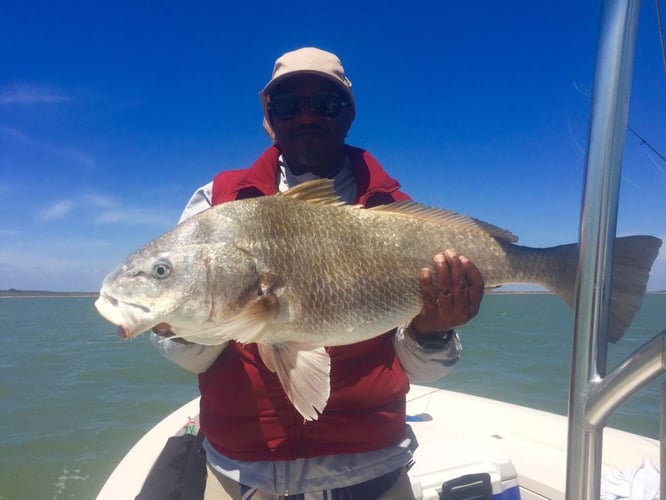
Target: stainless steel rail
(594,396)
(639,368)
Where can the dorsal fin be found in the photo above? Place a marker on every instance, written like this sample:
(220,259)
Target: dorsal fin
(448,217)
(322,192)
(319,192)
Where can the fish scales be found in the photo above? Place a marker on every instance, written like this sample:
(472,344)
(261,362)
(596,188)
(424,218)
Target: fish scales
(331,271)
(346,272)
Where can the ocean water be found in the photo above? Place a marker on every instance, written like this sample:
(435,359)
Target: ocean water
(74,398)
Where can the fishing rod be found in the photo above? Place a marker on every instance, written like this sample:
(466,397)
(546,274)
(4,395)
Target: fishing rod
(646,143)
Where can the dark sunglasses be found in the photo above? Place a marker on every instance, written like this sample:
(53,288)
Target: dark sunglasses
(326,104)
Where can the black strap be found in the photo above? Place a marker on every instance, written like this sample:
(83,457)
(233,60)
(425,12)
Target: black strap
(179,473)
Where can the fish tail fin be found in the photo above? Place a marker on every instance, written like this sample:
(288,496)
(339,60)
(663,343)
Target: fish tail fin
(633,259)
(634,256)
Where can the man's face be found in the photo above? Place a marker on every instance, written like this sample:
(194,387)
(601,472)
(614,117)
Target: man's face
(311,142)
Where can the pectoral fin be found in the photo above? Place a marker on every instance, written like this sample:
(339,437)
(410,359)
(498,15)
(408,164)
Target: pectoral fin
(247,326)
(304,372)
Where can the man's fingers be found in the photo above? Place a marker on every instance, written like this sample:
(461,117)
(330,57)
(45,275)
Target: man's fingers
(428,293)
(476,285)
(457,284)
(162,329)
(451,296)
(443,274)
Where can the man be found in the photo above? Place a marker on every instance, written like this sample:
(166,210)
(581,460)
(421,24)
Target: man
(257,445)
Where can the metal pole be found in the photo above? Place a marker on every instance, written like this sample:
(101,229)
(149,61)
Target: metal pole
(662,440)
(642,366)
(610,104)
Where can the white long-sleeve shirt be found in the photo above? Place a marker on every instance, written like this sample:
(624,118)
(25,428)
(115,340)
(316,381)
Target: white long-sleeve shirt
(319,473)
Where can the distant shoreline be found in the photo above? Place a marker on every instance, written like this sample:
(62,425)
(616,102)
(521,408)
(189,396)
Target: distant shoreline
(35,294)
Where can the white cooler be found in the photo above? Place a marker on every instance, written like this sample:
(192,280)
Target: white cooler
(457,469)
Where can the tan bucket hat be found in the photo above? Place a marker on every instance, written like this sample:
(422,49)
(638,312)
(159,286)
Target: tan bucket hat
(307,60)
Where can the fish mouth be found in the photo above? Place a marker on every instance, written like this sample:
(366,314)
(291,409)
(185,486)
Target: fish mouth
(131,319)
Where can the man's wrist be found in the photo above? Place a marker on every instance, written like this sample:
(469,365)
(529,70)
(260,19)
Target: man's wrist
(433,340)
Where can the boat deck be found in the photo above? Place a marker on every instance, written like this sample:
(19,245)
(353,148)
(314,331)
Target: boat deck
(533,441)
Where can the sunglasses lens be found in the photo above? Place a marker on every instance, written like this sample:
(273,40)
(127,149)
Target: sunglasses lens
(326,104)
(285,106)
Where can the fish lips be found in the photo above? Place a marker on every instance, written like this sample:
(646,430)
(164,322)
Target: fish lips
(131,319)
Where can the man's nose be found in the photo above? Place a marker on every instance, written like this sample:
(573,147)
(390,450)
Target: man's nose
(307,115)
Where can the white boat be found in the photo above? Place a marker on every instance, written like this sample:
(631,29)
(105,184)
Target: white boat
(520,448)
(516,451)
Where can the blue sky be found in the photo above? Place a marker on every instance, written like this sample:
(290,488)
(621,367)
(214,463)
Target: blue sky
(112,113)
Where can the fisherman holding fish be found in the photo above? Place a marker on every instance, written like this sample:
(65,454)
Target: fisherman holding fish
(360,445)
(304,292)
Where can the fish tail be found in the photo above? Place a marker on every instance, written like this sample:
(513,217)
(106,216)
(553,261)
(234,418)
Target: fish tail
(634,256)
(633,259)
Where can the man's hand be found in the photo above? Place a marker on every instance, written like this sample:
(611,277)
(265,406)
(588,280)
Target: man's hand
(164,330)
(453,297)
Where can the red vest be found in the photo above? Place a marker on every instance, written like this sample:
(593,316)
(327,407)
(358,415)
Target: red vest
(246,415)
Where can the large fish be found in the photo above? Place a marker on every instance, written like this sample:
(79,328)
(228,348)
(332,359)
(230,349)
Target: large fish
(301,270)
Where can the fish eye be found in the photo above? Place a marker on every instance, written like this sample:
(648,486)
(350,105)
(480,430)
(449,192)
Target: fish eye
(161,270)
